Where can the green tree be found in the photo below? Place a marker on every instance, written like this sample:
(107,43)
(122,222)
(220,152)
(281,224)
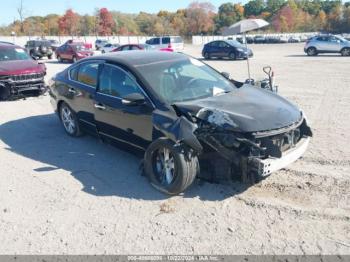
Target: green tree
(273,6)
(254,8)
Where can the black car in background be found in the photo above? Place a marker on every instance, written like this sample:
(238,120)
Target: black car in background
(182,114)
(231,49)
(39,48)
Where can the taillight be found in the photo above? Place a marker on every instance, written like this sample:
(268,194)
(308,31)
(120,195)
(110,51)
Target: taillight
(169,46)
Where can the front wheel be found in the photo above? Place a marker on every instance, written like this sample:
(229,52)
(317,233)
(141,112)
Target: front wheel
(69,120)
(311,51)
(168,168)
(232,56)
(345,52)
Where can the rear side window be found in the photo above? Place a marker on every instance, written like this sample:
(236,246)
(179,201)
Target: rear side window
(88,74)
(154,41)
(176,40)
(125,48)
(166,40)
(73,73)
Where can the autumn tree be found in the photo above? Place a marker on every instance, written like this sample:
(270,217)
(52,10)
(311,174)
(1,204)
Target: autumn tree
(106,22)
(125,24)
(68,24)
(87,25)
(283,21)
(228,14)
(199,18)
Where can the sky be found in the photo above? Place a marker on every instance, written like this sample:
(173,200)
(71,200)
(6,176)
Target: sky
(8,9)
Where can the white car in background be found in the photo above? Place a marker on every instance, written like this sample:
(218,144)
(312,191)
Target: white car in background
(172,42)
(109,48)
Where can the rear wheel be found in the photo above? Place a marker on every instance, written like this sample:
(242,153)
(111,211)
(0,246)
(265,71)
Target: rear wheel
(345,52)
(59,59)
(69,120)
(311,51)
(207,55)
(74,59)
(168,168)
(49,57)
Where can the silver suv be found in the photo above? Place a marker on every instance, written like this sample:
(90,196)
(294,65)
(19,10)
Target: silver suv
(327,44)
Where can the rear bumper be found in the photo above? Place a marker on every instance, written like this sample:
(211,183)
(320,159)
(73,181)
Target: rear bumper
(264,167)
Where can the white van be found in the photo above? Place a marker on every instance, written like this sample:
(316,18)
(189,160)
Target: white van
(174,42)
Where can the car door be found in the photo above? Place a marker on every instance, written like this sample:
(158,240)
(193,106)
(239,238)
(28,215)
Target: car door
(116,120)
(80,92)
(225,49)
(214,49)
(334,44)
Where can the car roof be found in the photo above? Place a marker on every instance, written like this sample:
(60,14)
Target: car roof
(137,58)
(9,45)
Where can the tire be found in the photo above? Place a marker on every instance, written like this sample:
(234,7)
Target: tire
(345,51)
(74,60)
(32,55)
(49,57)
(183,169)
(232,56)
(69,120)
(5,93)
(103,51)
(59,59)
(207,56)
(311,51)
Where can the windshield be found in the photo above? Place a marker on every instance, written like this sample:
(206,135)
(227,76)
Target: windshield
(341,38)
(234,43)
(79,48)
(10,54)
(184,80)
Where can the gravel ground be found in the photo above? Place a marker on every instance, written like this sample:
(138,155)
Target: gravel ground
(60,195)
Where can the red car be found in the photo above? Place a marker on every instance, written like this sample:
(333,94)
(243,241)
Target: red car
(20,75)
(72,52)
(78,42)
(129,47)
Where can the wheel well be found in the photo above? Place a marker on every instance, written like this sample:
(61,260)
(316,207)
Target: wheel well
(311,47)
(345,47)
(59,104)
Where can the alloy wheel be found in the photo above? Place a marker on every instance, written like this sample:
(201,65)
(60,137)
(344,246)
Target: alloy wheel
(165,166)
(68,120)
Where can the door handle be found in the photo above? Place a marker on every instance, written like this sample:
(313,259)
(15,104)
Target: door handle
(100,106)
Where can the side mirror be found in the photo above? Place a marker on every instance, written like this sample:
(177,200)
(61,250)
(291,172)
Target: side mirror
(226,75)
(133,99)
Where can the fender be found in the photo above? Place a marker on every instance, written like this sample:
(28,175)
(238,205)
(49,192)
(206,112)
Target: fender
(178,129)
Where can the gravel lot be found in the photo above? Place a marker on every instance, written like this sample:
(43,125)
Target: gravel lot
(60,195)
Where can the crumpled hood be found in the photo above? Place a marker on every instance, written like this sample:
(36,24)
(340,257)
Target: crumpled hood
(20,67)
(247,109)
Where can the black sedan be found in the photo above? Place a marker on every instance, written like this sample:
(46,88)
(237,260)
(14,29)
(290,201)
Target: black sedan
(182,114)
(231,49)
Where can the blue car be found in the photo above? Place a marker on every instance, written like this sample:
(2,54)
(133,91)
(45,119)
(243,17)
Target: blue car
(231,49)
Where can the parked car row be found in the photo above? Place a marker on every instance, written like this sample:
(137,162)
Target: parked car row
(260,39)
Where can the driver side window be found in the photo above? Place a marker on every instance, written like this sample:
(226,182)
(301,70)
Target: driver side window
(116,82)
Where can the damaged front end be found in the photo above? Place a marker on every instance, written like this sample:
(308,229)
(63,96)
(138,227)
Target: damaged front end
(24,85)
(227,154)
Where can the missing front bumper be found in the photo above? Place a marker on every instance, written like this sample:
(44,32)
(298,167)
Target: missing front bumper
(264,167)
